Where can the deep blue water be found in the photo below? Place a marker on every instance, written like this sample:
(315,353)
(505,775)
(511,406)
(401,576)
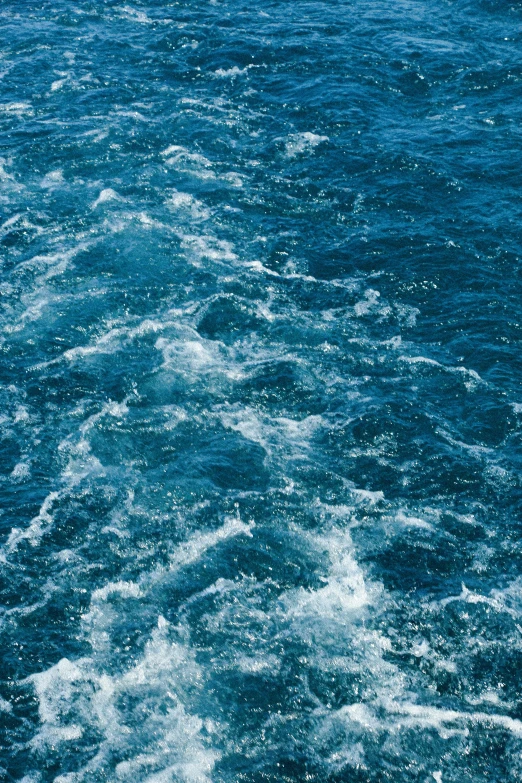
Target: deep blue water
(260,383)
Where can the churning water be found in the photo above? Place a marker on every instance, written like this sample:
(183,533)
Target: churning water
(260,391)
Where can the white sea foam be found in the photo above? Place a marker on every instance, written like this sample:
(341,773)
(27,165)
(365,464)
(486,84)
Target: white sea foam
(191,550)
(51,264)
(134,115)
(232,73)
(107,194)
(208,247)
(187,203)
(97,134)
(302,143)
(20,108)
(197,165)
(58,84)
(287,437)
(420,360)
(111,341)
(369,303)
(442,719)
(471,378)
(81,464)
(477,451)
(157,739)
(169,741)
(345,591)
(189,355)
(197,360)
(258,664)
(140,17)
(10,222)
(403,518)
(179,156)
(135,15)
(52,179)
(257,266)
(386,718)
(367,496)
(20,471)
(37,527)
(249,424)
(38,297)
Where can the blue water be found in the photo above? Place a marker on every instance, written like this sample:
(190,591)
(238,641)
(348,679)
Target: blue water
(260,382)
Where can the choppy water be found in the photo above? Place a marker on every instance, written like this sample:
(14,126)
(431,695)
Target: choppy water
(260,391)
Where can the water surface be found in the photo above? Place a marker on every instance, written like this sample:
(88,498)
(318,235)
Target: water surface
(260,388)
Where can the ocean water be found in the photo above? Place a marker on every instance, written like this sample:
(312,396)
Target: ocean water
(260,383)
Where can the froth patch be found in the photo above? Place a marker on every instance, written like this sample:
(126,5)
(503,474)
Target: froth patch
(20,471)
(113,340)
(471,378)
(54,689)
(52,179)
(19,109)
(197,165)
(192,354)
(345,591)
(440,719)
(232,73)
(190,551)
(135,15)
(141,716)
(184,202)
(302,143)
(183,159)
(196,360)
(290,438)
(107,194)
(37,527)
(209,247)
(259,664)
(50,265)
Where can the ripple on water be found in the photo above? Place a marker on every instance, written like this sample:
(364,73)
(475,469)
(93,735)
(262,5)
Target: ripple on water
(259,393)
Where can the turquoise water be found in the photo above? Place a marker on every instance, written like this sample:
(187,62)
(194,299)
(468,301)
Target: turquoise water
(260,382)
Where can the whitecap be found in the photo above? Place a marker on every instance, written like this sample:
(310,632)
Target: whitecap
(162,742)
(52,179)
(302,143)
(107,194)
(233,72)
